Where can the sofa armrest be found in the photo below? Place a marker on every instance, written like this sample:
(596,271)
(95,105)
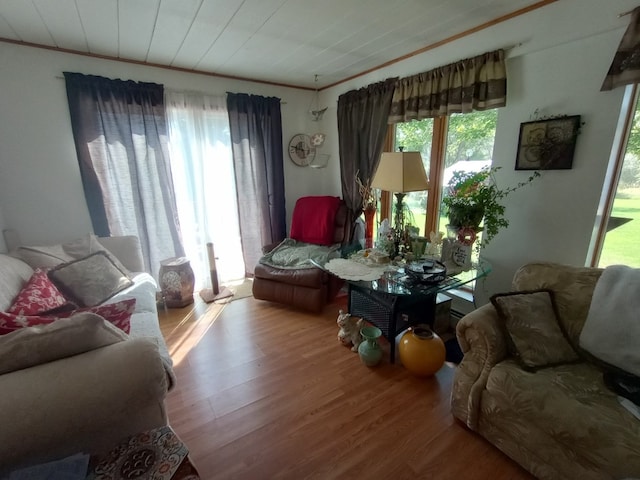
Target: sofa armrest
(85,403)
(483,343)
(127,249)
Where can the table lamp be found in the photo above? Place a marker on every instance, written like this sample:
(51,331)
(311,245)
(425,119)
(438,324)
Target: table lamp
(400,172)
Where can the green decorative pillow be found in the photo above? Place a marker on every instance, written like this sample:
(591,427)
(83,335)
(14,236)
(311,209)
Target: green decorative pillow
(533,332)
(91,280)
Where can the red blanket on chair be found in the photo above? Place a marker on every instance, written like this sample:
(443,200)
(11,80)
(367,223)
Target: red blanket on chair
(314,219)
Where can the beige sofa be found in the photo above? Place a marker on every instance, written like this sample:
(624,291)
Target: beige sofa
(92,396)
(558,422)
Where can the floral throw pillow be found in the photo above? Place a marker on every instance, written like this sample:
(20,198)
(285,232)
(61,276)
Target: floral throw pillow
(532,329)
(39,295)
(118,314)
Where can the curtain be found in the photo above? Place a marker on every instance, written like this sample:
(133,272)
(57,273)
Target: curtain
(625,67)
(362,126)
(120,132)
(256,142)
(478,83)
(203,179)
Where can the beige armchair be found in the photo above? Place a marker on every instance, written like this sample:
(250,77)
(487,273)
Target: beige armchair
(560,421)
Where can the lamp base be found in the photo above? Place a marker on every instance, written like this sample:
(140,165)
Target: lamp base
(398,220)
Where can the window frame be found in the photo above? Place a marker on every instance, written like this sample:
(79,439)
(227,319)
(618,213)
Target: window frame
(612,177)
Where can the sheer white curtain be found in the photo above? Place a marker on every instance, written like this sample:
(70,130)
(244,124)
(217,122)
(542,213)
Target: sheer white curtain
(204,183)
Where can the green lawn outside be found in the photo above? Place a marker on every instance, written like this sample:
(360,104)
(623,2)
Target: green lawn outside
(621,244)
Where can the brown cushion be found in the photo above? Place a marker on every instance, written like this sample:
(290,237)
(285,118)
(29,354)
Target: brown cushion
(311,277)
(91,280)
(532,329)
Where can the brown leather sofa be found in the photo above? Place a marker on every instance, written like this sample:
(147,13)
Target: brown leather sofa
(308,288)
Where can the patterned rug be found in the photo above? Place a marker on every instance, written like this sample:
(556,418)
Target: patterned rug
(154,455)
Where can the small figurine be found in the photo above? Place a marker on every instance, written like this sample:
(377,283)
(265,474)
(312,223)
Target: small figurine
(349,333)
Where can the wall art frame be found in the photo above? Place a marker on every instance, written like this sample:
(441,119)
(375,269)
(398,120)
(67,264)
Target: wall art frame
(548,144)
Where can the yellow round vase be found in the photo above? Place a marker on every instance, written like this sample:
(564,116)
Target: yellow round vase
(421,351)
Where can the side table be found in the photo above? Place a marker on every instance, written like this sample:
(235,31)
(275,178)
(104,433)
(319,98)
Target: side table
(176,282)
(157,454)
(393,303)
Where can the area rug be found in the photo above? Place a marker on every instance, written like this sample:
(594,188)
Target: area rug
(240,289)
(155,455)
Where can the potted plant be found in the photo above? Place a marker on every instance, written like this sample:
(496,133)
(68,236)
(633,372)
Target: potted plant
(474,197)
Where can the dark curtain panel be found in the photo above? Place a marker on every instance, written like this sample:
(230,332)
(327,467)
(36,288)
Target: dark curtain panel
(120,133)
(362,126)
(256,142)
(625,67)
(477,83)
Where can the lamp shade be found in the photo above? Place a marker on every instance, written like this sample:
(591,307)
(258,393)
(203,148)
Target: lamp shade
(401,172)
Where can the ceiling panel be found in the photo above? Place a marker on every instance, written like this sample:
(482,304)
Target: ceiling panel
(5,29)
(207,27)
(25,21)
(172,26)
(136,21)
(63,23)
(100,21)
(283,41)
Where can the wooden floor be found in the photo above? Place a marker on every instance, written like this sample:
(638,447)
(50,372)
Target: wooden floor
(267,392)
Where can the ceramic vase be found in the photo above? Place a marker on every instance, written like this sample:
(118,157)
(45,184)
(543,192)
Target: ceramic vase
(369,350)
(421,351)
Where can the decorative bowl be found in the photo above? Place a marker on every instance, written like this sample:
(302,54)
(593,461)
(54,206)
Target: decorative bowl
(429,271)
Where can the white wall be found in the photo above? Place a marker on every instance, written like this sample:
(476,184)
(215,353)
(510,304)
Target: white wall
(563,53)
(40,186)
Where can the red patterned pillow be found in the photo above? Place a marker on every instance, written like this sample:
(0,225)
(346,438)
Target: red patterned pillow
(118,313)
(38,296)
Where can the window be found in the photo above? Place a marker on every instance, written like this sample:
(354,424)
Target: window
(620,228)
(417,136)
(467,145)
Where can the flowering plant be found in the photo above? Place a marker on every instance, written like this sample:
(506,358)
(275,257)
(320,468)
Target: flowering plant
(471,197)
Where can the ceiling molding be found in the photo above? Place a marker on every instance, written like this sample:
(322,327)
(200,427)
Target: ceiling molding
(150,64)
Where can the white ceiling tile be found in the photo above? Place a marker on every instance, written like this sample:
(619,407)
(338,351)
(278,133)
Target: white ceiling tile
(175,18)
(136,20)
(62,20)
(100,23)
(25,22)
(6,31)
(212,18)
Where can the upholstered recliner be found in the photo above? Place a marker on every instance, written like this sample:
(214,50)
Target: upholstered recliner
(308,288)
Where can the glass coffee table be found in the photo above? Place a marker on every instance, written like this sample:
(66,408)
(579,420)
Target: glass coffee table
(394,302)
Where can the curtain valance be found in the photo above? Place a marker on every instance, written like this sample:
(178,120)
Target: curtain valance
(478,83)
(625,67)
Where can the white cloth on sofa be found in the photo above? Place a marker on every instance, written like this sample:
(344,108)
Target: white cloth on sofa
(612,329)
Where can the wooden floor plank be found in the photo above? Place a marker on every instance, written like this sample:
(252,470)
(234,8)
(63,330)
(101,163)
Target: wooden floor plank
(268,392)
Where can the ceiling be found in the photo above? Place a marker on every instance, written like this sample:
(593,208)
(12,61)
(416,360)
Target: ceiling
(285,42)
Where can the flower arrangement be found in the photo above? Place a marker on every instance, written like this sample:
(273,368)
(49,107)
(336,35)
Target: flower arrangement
(369,200)
(472,197)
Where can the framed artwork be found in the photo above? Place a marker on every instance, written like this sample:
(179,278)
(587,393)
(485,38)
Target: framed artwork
(547,144)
